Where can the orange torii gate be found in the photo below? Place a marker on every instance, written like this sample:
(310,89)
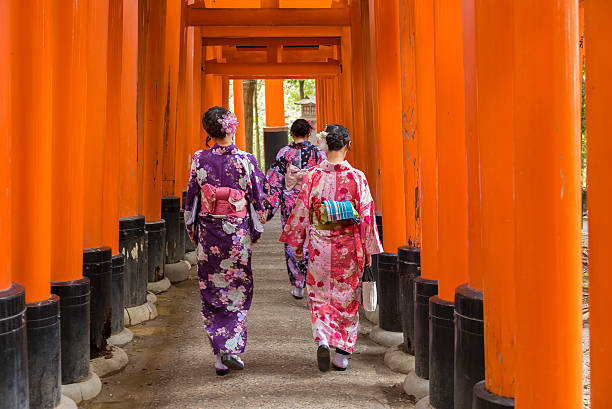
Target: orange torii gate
(464,116)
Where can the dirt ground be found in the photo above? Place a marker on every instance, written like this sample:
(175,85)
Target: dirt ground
(171,365)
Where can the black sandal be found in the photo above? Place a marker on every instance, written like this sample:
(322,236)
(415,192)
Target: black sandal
(232,363)
(221,372)
(323,359)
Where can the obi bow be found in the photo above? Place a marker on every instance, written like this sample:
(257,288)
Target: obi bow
(294,177)
(223,201)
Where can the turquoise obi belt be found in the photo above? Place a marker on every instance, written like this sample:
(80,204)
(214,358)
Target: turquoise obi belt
(339,210)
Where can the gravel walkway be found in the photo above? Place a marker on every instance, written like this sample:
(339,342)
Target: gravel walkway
(171,365)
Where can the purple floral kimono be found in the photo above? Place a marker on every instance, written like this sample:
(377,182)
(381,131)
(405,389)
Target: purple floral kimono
(302,155)
(223,236)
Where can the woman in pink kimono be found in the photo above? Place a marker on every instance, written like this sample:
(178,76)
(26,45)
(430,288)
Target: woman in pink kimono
(339,247)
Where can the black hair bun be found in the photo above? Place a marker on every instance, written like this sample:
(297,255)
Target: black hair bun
(211,124)
(301,128)
(337,137)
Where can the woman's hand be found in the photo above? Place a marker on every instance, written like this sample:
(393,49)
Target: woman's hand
(368,261)
(298,252)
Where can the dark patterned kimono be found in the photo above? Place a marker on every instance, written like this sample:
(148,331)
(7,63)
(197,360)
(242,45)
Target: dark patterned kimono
(223,242)
(303,155)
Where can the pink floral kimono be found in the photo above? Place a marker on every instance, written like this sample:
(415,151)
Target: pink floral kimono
(337,256)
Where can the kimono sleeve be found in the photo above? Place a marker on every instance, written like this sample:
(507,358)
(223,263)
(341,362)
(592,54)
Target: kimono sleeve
(192,201)
(276,181)
(367,216)
(257,192)
(294,233)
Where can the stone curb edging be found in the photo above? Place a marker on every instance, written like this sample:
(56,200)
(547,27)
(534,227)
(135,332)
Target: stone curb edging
(386,338)
(86,390)
(159,286)
(424,404)
(66,403)
(416,386)
(191,258)
(141,313)
(399,361)
(109,366)
(177,272)
(124,337)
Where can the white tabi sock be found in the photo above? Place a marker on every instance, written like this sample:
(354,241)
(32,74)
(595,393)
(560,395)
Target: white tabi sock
(341,361)
(219,365)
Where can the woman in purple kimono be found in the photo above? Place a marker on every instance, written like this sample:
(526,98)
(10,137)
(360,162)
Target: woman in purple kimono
(285,179)
(224,214)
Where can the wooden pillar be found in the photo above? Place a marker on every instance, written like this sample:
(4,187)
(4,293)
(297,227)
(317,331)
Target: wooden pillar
(475,257)
(547,183)
(598,35)
(410,136)
(96,122)
(495,127)
(198,135)
(31,110)
(171,69)
(130,191)
(183,145)
(68,141)
(451,148)
(155,95)
(110,194)
(239,111)
(5,145)
(389,133)
(275,103)
(225,84)
(359,134)
(426,119)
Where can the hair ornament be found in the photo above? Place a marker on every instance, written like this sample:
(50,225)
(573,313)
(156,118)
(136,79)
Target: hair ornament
(229,123)
(322,142)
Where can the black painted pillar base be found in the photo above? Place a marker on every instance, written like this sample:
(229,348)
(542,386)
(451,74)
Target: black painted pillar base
(483,399)
(469,344)
(44,361)
(189,245)
(97,267)
(275,138)
(13,349)
(170,209)
(409,266)
(389,315)
(74,323)
(441,353)
(117,298)
(424,289)
(156,249)
(132,246)
(180,249)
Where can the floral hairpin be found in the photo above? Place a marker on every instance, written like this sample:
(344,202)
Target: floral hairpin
(229,123)
(322,142)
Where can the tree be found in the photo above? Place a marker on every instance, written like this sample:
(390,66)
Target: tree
(248,95)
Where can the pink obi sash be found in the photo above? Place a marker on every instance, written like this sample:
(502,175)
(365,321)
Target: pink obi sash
(223,201)
(294,177)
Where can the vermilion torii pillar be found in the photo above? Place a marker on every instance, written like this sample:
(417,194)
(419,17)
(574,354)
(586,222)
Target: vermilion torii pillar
(389,134)
(495,127)
(598,35)
(31,41)
(239,111)
(155,93)
(547,182)
(12,294)
(68,183)
(416,383)
(452,196)
(275,131)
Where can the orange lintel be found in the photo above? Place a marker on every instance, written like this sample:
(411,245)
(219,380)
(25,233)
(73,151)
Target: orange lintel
(268,17)
(267,70)
(270,31)
(267,41)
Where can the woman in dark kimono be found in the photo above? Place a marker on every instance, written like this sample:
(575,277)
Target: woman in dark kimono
(285,179)
(224,214)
